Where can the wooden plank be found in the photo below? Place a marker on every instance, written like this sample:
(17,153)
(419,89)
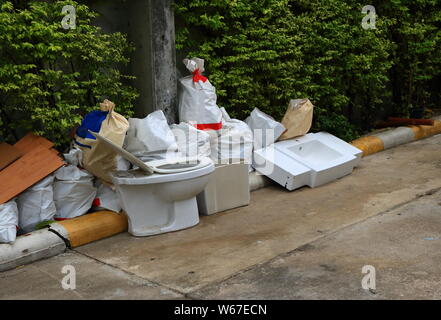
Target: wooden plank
(26,171)
(8,154)
(54,151)
(31,141)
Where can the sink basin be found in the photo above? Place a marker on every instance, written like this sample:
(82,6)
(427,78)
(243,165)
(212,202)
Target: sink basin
(313,160)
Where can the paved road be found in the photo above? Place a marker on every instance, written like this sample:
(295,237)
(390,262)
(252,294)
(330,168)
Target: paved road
(307,244)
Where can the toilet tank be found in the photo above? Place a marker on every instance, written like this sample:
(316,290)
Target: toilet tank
(227,188)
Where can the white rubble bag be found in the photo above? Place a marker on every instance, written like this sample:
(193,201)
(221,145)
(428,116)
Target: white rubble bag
(197,98)
(297,119)
(74,156)
(36,204)
(122,164)
(233,143)
(191,141)
(8,221)
(150,134)
(265,129)
(106,199)
(73,192)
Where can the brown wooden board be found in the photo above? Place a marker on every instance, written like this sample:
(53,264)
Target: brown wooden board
(26,171)
(31,141)
(8,154)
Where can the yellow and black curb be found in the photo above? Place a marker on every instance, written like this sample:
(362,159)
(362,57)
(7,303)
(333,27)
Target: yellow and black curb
(395,137)
(99,225)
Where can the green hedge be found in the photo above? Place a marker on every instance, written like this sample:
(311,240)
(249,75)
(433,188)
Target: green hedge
(416,33)
(263,53)
(50,77)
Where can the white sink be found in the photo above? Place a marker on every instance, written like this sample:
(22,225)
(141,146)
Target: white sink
(313,160)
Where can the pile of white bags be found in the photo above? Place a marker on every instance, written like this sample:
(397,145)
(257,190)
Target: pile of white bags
(36,204)
(233,143)
(106,198)
(197,98)
(191,141)
(151,134)
(8,221)
(265,129)
(73,192)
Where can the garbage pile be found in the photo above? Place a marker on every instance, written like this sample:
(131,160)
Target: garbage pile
(40,186)
(25,188)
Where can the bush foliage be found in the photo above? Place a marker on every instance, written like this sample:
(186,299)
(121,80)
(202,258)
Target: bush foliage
(263,53)
(416,32)
(50,77)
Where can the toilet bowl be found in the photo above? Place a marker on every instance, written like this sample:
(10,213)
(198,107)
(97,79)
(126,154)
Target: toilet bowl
(160,203)
(313,159)
(160,195)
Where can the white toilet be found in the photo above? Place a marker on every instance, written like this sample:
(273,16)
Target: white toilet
(162,202)
(313,159)
(160,196)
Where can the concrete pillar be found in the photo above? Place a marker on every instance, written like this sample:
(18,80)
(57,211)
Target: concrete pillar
(152,30)
(164,80)
(150,27)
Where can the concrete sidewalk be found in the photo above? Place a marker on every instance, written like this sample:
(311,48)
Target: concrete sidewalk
(309,243)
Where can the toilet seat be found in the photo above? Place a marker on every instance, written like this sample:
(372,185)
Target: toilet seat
(179,164)
(162,166)
(138,177)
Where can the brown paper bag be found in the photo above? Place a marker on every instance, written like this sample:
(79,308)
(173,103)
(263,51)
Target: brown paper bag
(297,119)
(98,158)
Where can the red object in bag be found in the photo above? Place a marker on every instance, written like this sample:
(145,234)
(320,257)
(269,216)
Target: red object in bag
(197,98)
(198,76)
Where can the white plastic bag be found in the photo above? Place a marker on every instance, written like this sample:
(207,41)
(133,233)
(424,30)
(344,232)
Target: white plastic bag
(36,204)
(265,129)
(74,156)
(73,192)
(233,143)
(8,221)
(122,164)
(197,98)
(150,134)
(191,141)
(106,199)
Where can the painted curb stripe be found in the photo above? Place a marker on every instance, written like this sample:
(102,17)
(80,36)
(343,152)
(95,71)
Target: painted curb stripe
(392,138)
(94,226)
(426,131)
(396,137)
(369,145)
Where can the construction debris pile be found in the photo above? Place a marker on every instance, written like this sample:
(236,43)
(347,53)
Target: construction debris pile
(26,194)
(161,175)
